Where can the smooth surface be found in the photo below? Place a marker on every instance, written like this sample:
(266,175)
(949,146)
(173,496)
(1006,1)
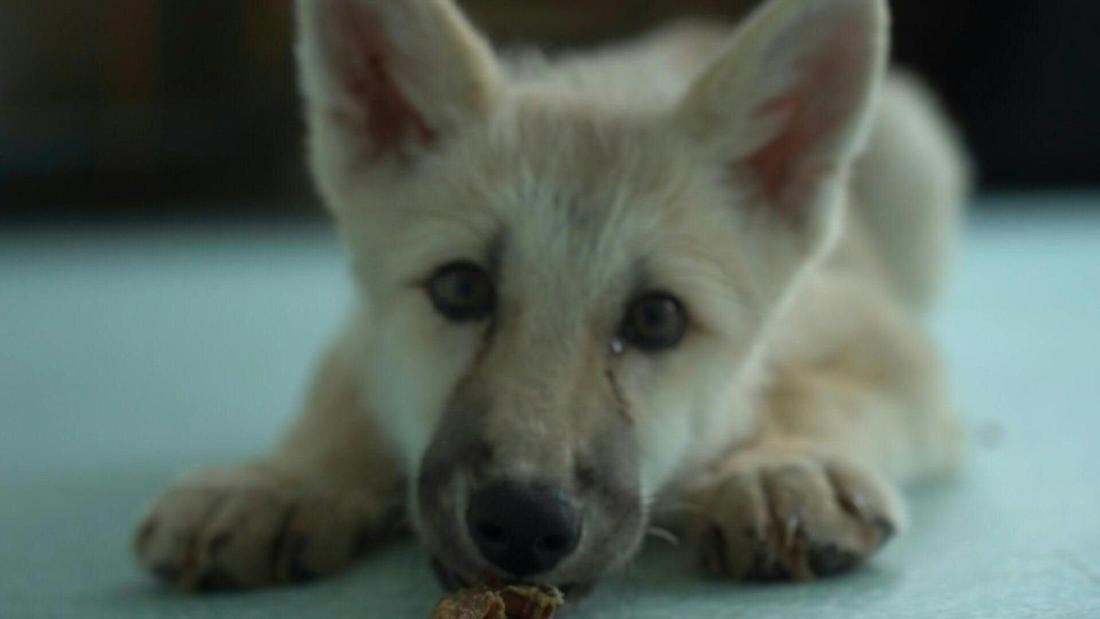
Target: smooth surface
(130,356)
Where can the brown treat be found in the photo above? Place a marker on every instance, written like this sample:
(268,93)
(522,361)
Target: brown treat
(511,602)
(470,604)
(527,602)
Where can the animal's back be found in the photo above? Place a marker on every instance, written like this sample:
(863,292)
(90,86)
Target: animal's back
(909,189)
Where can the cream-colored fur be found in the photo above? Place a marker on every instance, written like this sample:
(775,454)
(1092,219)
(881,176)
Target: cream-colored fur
(806,390)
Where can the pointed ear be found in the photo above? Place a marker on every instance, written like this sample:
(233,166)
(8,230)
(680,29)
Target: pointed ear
(784,108)
(385,80)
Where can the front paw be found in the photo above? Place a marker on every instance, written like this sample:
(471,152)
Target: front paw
(773,516)
(241,528)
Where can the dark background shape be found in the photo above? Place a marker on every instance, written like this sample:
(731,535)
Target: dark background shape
(133,108)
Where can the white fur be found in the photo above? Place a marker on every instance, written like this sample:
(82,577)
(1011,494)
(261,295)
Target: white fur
(804,350)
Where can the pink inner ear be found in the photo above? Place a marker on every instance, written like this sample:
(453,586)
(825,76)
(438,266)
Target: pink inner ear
(391,121)
(813,111)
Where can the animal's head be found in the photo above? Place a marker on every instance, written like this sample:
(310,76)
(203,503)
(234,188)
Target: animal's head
(561,294)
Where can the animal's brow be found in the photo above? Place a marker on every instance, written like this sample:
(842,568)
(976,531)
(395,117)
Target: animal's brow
(494,252)
(639,278)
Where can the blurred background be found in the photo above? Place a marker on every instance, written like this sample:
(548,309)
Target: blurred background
(137,108)
(167,279)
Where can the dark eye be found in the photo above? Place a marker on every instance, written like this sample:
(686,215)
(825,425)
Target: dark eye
(654,322)
(462,291)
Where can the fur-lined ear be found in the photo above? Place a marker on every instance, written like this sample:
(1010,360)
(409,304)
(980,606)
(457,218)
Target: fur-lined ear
(383,80)
(787,104)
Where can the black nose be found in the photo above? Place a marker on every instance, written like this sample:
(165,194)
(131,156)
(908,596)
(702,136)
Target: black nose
(523,529)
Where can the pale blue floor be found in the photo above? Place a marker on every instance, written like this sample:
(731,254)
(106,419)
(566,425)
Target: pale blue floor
(127,357)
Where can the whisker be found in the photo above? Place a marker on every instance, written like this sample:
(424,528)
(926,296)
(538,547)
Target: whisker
(664,535)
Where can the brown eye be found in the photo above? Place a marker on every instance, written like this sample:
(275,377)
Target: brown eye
(462,291)
(655,322)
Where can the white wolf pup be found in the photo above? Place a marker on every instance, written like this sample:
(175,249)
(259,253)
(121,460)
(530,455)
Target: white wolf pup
(676,283)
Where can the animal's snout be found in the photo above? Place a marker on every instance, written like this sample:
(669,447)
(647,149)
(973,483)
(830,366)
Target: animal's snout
(523,529)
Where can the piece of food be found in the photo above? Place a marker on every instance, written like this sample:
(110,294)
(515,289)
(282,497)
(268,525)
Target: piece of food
(470,604)
(528,602)
(510,602)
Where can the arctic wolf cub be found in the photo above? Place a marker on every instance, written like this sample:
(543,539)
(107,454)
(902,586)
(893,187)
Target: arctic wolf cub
(675,284)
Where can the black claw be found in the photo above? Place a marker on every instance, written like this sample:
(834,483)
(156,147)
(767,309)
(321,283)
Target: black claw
(764,569)
(217,579)
(297,571)
(830,560)
(281,544)
(714,551)
(885,528)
